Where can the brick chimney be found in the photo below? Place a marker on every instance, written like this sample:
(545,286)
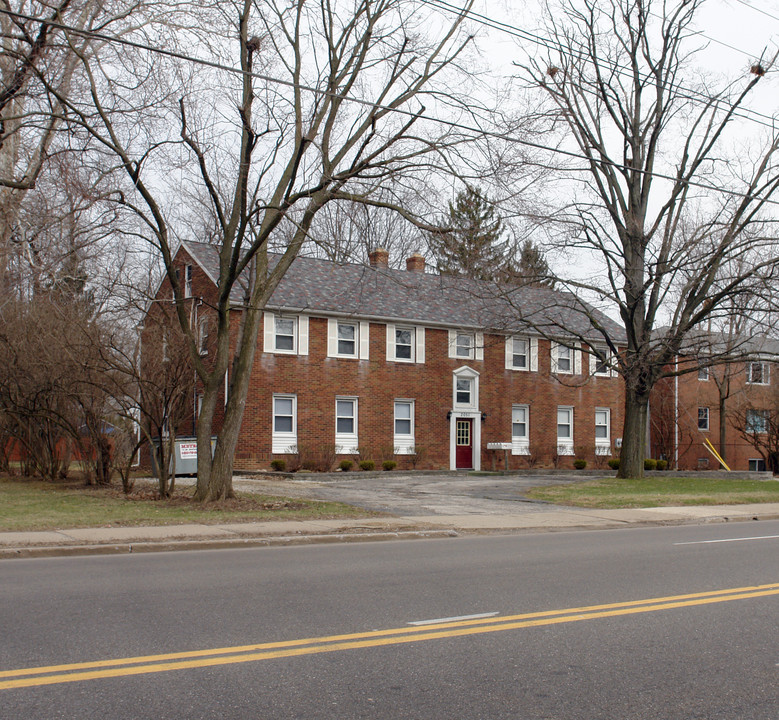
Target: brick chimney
(379,258)
(415,263)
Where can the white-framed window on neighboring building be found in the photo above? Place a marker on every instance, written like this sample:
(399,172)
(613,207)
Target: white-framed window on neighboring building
(602,431)
(202,335)
(758,373)
(285,424)
(187,281)
(403,438)
(703,418)
(347,339)
(756,421)
(285,334)
(565,430)
(520,429)
(521,353)
(346,425)
(703,374)
(405,343)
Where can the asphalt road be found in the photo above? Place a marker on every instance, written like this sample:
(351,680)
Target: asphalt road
(643,623)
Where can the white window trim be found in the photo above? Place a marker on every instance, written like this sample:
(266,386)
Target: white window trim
(608,358)
(469,374)
(346,443)
(531,349)
(603,445)
(576,368)
(187,281)
(404,444)
(361,339)
(300,336)
(284,443)
(766,373)
(477,345)
(520,445)
(417,344)
(565,445)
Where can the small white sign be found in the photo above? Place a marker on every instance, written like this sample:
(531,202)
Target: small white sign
(188,450)
(499,446)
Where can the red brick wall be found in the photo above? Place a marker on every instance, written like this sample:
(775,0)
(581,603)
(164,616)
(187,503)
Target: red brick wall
(694,393)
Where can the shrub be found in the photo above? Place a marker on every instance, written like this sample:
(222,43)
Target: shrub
(650,464)
(389,465)
(662,464)
(367,465)
(614,463)
(278,465)
(319,457)
(580,464)
(345,465)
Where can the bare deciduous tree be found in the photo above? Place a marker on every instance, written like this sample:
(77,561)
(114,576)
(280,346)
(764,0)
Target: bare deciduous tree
(328,103)
(661,207)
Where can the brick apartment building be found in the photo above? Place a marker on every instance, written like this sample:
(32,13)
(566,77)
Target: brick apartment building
(417,367)
(732,405)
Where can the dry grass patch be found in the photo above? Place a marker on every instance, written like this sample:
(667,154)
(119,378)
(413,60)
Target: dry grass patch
(658,492)
(35,505)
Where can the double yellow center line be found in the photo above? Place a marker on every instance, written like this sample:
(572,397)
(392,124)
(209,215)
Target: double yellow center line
(121,667)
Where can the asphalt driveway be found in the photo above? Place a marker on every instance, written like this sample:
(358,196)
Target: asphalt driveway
(416,494)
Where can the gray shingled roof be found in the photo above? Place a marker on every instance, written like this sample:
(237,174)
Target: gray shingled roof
(358,291)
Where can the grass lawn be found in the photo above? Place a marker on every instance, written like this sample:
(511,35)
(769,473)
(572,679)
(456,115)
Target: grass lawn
(34,505)
(658,492)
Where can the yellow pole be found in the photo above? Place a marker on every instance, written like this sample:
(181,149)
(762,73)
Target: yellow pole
(707,444)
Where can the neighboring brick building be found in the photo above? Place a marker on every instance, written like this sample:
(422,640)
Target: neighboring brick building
(721,403)
(420,368)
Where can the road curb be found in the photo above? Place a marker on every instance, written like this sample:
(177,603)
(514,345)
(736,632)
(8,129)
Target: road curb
(221,544)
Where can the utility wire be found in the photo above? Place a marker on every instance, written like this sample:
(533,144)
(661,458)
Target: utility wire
(367,103)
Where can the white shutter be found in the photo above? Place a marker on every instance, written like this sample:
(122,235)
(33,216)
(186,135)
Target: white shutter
(453,343)
(479,354)
(577,359)
(534,354)
(303,335)
(365,340)
(269,330)
(420,335)
(332,337)
(509,352)
(390,341)
(553,355)
(593,361)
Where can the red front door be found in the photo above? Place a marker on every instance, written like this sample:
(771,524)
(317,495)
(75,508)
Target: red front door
(463,452)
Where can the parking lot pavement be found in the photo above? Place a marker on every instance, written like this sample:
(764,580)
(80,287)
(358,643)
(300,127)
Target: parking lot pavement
(416,495)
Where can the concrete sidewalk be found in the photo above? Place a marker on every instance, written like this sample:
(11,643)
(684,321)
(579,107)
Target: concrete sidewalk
(107,540)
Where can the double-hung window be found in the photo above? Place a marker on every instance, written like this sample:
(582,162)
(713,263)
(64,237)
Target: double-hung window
(602,431)
(285,334)
(520,430)
(563,359)
(758,373)
(346,425)
(464,344)
(404,427)
(703,374)
(405,343)
(464,391)
(703,418)
(565,430)
(187,281)
(520,353)
(285,431)
(600,361)
(347,339)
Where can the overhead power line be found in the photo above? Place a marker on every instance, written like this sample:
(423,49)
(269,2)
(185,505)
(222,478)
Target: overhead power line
(112,39)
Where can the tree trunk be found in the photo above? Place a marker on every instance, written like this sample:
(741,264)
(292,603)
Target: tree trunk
(215,476)
(631,459)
